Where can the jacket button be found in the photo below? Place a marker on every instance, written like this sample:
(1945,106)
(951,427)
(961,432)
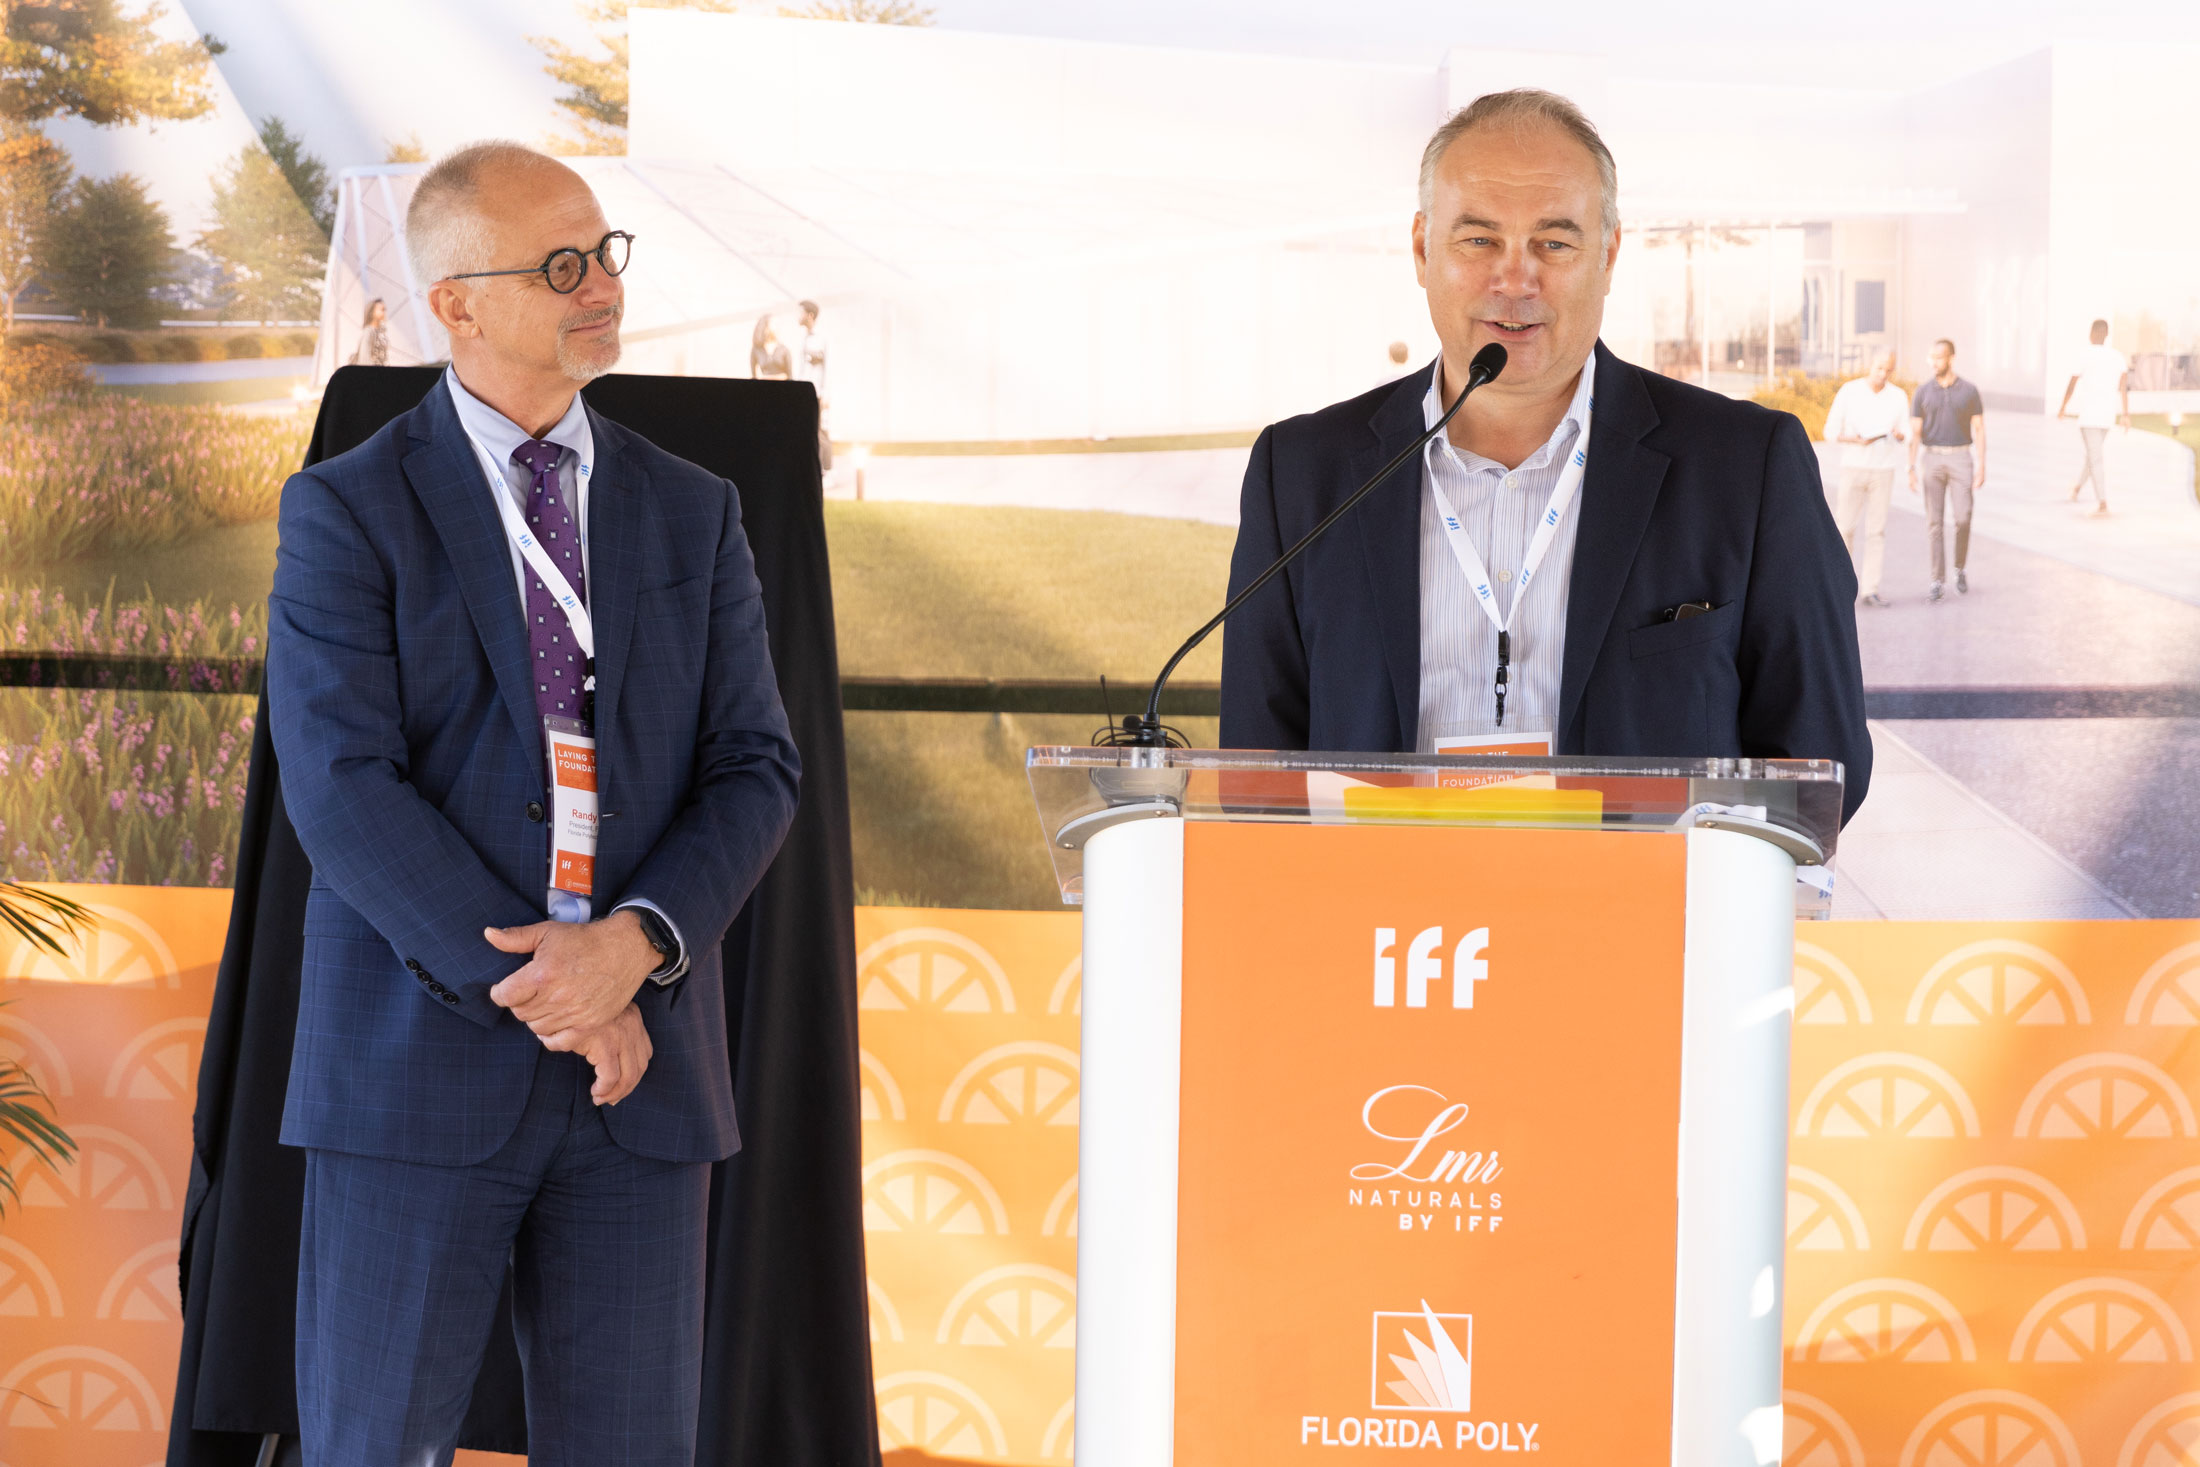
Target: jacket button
(534,811)
(451,998)
(413,963)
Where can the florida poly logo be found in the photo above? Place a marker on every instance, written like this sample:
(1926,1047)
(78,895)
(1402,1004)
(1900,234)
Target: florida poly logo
(1422,1362)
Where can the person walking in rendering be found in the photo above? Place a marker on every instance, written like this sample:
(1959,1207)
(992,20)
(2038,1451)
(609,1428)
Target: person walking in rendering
(374,340)
(767,353)
(2102,387)
(809,366)
(1870,420)
(1948,434)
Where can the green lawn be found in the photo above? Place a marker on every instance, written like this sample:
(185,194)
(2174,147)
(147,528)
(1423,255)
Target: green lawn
(2187,433)
(943,816)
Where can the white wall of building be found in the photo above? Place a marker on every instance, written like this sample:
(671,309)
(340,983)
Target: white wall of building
(2124,218)
(767,92)
(1979,278)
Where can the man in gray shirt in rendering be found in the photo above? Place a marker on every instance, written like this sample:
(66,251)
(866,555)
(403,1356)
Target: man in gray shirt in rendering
(1948,428)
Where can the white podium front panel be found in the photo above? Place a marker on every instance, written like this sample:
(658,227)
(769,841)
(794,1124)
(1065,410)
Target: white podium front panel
(1725,1200)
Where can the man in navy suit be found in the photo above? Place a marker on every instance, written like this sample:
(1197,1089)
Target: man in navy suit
(511,1044)
(1590,554)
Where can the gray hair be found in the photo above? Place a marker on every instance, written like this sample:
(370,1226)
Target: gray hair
(1525,107)
(446,233)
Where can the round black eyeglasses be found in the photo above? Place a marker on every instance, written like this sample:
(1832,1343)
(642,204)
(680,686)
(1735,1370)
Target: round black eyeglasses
(565,269)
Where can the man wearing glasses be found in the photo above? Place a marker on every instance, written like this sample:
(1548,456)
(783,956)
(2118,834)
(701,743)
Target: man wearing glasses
(531,739)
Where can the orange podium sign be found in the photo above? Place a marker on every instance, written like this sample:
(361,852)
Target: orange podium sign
(1423,1113)
(1429,1123)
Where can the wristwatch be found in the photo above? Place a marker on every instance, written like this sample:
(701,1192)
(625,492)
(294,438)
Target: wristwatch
(659,934)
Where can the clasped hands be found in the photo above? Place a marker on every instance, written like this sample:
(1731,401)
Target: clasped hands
(577,990)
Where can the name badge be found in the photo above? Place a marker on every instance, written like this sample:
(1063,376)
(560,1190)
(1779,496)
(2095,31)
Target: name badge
(572,805)
(1518,743)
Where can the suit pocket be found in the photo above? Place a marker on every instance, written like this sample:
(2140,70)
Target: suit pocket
(1673,636)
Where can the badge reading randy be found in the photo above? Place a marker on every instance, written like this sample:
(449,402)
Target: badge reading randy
(572,805)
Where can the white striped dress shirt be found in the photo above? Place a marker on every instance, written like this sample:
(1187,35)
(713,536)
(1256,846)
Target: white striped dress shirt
(1498,509)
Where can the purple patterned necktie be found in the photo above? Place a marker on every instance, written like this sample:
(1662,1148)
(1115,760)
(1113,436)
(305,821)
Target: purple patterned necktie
(558,663)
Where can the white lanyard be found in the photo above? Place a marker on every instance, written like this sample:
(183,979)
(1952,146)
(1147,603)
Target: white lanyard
(1539,545)
(538,559)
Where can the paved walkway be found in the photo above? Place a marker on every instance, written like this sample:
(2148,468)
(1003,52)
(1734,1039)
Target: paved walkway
(2149,538)
(1925,847)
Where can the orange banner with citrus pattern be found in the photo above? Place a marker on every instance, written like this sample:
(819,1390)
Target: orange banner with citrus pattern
(1994,1197)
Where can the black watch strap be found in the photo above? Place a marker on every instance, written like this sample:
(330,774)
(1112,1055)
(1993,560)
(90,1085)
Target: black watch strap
(659,934)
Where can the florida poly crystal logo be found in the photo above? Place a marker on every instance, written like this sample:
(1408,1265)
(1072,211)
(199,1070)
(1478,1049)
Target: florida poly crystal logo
(1422,1362)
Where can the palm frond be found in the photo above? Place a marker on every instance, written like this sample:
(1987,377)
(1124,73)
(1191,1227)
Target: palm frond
(43,918)
(24,1104)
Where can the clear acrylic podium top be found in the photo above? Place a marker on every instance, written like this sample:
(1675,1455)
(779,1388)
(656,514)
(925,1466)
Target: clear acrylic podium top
(1793,803)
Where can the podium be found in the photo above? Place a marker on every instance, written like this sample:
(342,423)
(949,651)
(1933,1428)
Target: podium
(1432,1102)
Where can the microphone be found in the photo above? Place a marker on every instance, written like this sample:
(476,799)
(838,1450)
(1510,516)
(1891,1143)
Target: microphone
(1147,732)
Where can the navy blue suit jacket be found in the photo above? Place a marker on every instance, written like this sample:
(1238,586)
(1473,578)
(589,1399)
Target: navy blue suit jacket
(411,751)
(1689,496)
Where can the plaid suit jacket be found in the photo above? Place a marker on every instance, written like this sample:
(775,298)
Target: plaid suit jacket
(403,716)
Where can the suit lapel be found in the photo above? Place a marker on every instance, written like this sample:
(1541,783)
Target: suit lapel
(1617,495)
(615,497)
(446,475)
(1390,542)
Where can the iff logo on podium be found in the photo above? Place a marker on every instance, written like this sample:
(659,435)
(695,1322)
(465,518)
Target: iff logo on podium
(1422,1361)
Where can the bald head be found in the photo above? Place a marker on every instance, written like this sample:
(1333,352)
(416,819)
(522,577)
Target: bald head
(482,224)
(450,225)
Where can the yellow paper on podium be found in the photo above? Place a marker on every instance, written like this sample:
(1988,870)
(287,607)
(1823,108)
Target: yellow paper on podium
(1531,800)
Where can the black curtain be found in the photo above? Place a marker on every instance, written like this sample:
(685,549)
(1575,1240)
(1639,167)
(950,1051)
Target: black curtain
(787,1360)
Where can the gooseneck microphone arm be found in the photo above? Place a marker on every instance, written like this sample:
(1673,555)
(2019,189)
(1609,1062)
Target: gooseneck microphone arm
(1147,732)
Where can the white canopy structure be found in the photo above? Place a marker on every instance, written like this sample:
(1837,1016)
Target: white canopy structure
(960,306)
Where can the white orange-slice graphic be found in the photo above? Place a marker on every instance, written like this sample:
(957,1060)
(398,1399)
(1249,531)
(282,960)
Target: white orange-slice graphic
(1061,1217)
(112,1172)
(35,1050)
(1068,993)
(1814,1435)
(2101,1321)
(28,1289)
(2167,1436)
(1999,980)
(878,1097)
(1991,1429)
(1887,1095)
(2166,1218)
(932,968)
(122,951)
(2168,993)
(144,1287)
(1822,1218)
(160,1064)
(938,1415)
(1995,1209)
(919,1191)
(1885,1319)
(1027,1081)
(2106,1096)
(1435,1373)
(1061,1436)
(79,1393)
(1826,990)
(1025,1304)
